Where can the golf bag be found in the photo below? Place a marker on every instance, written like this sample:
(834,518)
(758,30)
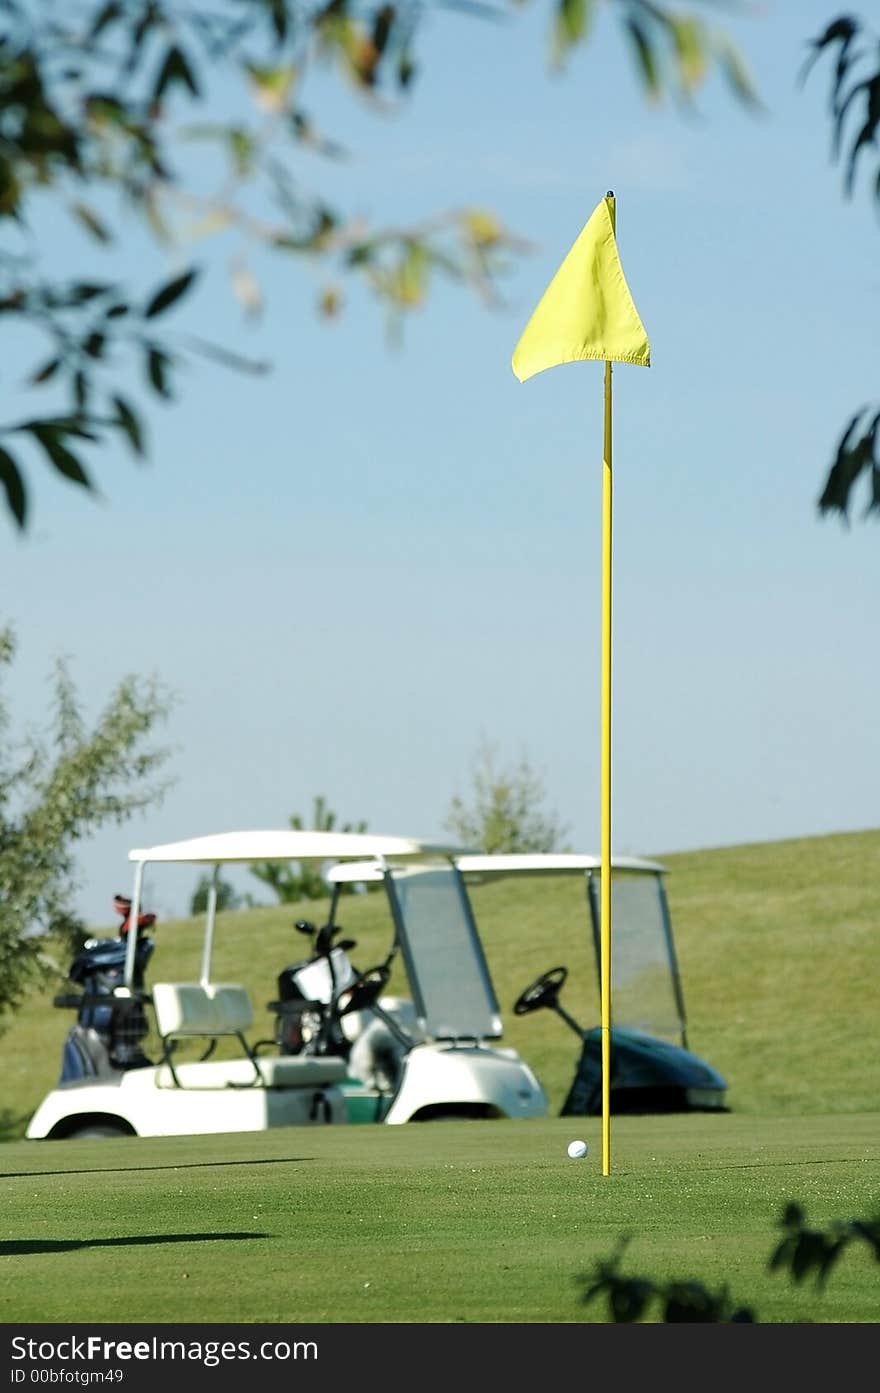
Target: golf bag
(372,1039)
(109,1028)
(305,1022)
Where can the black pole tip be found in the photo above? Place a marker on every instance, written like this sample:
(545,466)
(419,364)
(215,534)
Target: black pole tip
(610,193)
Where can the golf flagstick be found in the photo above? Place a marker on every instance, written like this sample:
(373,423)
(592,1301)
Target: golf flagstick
(605,780)
(585,313)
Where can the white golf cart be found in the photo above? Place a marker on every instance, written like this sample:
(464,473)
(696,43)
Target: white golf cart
(384,1059)
(434,1054)
(652,1068)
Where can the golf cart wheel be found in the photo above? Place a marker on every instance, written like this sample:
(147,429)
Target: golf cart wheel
(97,1129)
(542,992)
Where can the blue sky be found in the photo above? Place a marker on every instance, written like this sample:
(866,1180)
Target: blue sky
(352,571)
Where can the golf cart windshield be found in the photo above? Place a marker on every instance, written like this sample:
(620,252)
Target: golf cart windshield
(437,936)
(645,986)
(447,970)
(646,992)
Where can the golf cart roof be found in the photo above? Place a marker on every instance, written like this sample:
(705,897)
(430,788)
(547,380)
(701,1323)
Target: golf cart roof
(355,872)
(290,845)
(487,867)
(279,844)
(483,866)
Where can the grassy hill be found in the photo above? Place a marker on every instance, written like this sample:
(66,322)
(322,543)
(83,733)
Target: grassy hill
(778,944)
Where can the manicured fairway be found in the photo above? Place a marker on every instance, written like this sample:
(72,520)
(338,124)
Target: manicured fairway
(439,1222)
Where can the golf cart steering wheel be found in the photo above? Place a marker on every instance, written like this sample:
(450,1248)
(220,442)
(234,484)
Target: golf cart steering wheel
(364,991)
(542,992)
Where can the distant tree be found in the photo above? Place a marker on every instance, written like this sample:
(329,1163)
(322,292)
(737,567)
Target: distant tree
(504,811)
(227,896)
(303,882)
(54,792)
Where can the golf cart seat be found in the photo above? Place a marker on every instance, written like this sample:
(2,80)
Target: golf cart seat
(193,1010)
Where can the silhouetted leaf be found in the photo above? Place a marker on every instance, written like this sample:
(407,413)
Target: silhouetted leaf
(10,188)
(869,1230)
(175,69)
(47,371)
(280,19)
(406,70)
(16,494)
(383,24)
(157,371)
(628,1300)
(83,291)
(808,1253)
(64,460)
(169,293)
(743,1315)
(855,455)
(130,424)
(693,1303)
(58,427)
(842,31)
(104,17)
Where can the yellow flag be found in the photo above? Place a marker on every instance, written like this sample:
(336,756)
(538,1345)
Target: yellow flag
(586,310)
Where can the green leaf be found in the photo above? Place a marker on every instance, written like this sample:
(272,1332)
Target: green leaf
(91,222)
(157,371)
(272,86)
(106,107)
(57,426)
(574,19)
(734,69)
(689,42)
(175,68)
(646,57)
(222,355)
(84,291)
(170,292)
(406,71)
(16,494)
(107,15)
(64,460)
(280,18)
(10,189)
(94,345)
(130,424)
(47,371)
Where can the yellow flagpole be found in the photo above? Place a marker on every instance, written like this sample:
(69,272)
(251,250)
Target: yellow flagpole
(605,848)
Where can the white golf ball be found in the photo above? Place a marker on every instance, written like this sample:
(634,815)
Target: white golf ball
(577,1150)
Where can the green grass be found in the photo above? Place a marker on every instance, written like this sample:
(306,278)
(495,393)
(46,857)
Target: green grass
(778,947)
(438,1222)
